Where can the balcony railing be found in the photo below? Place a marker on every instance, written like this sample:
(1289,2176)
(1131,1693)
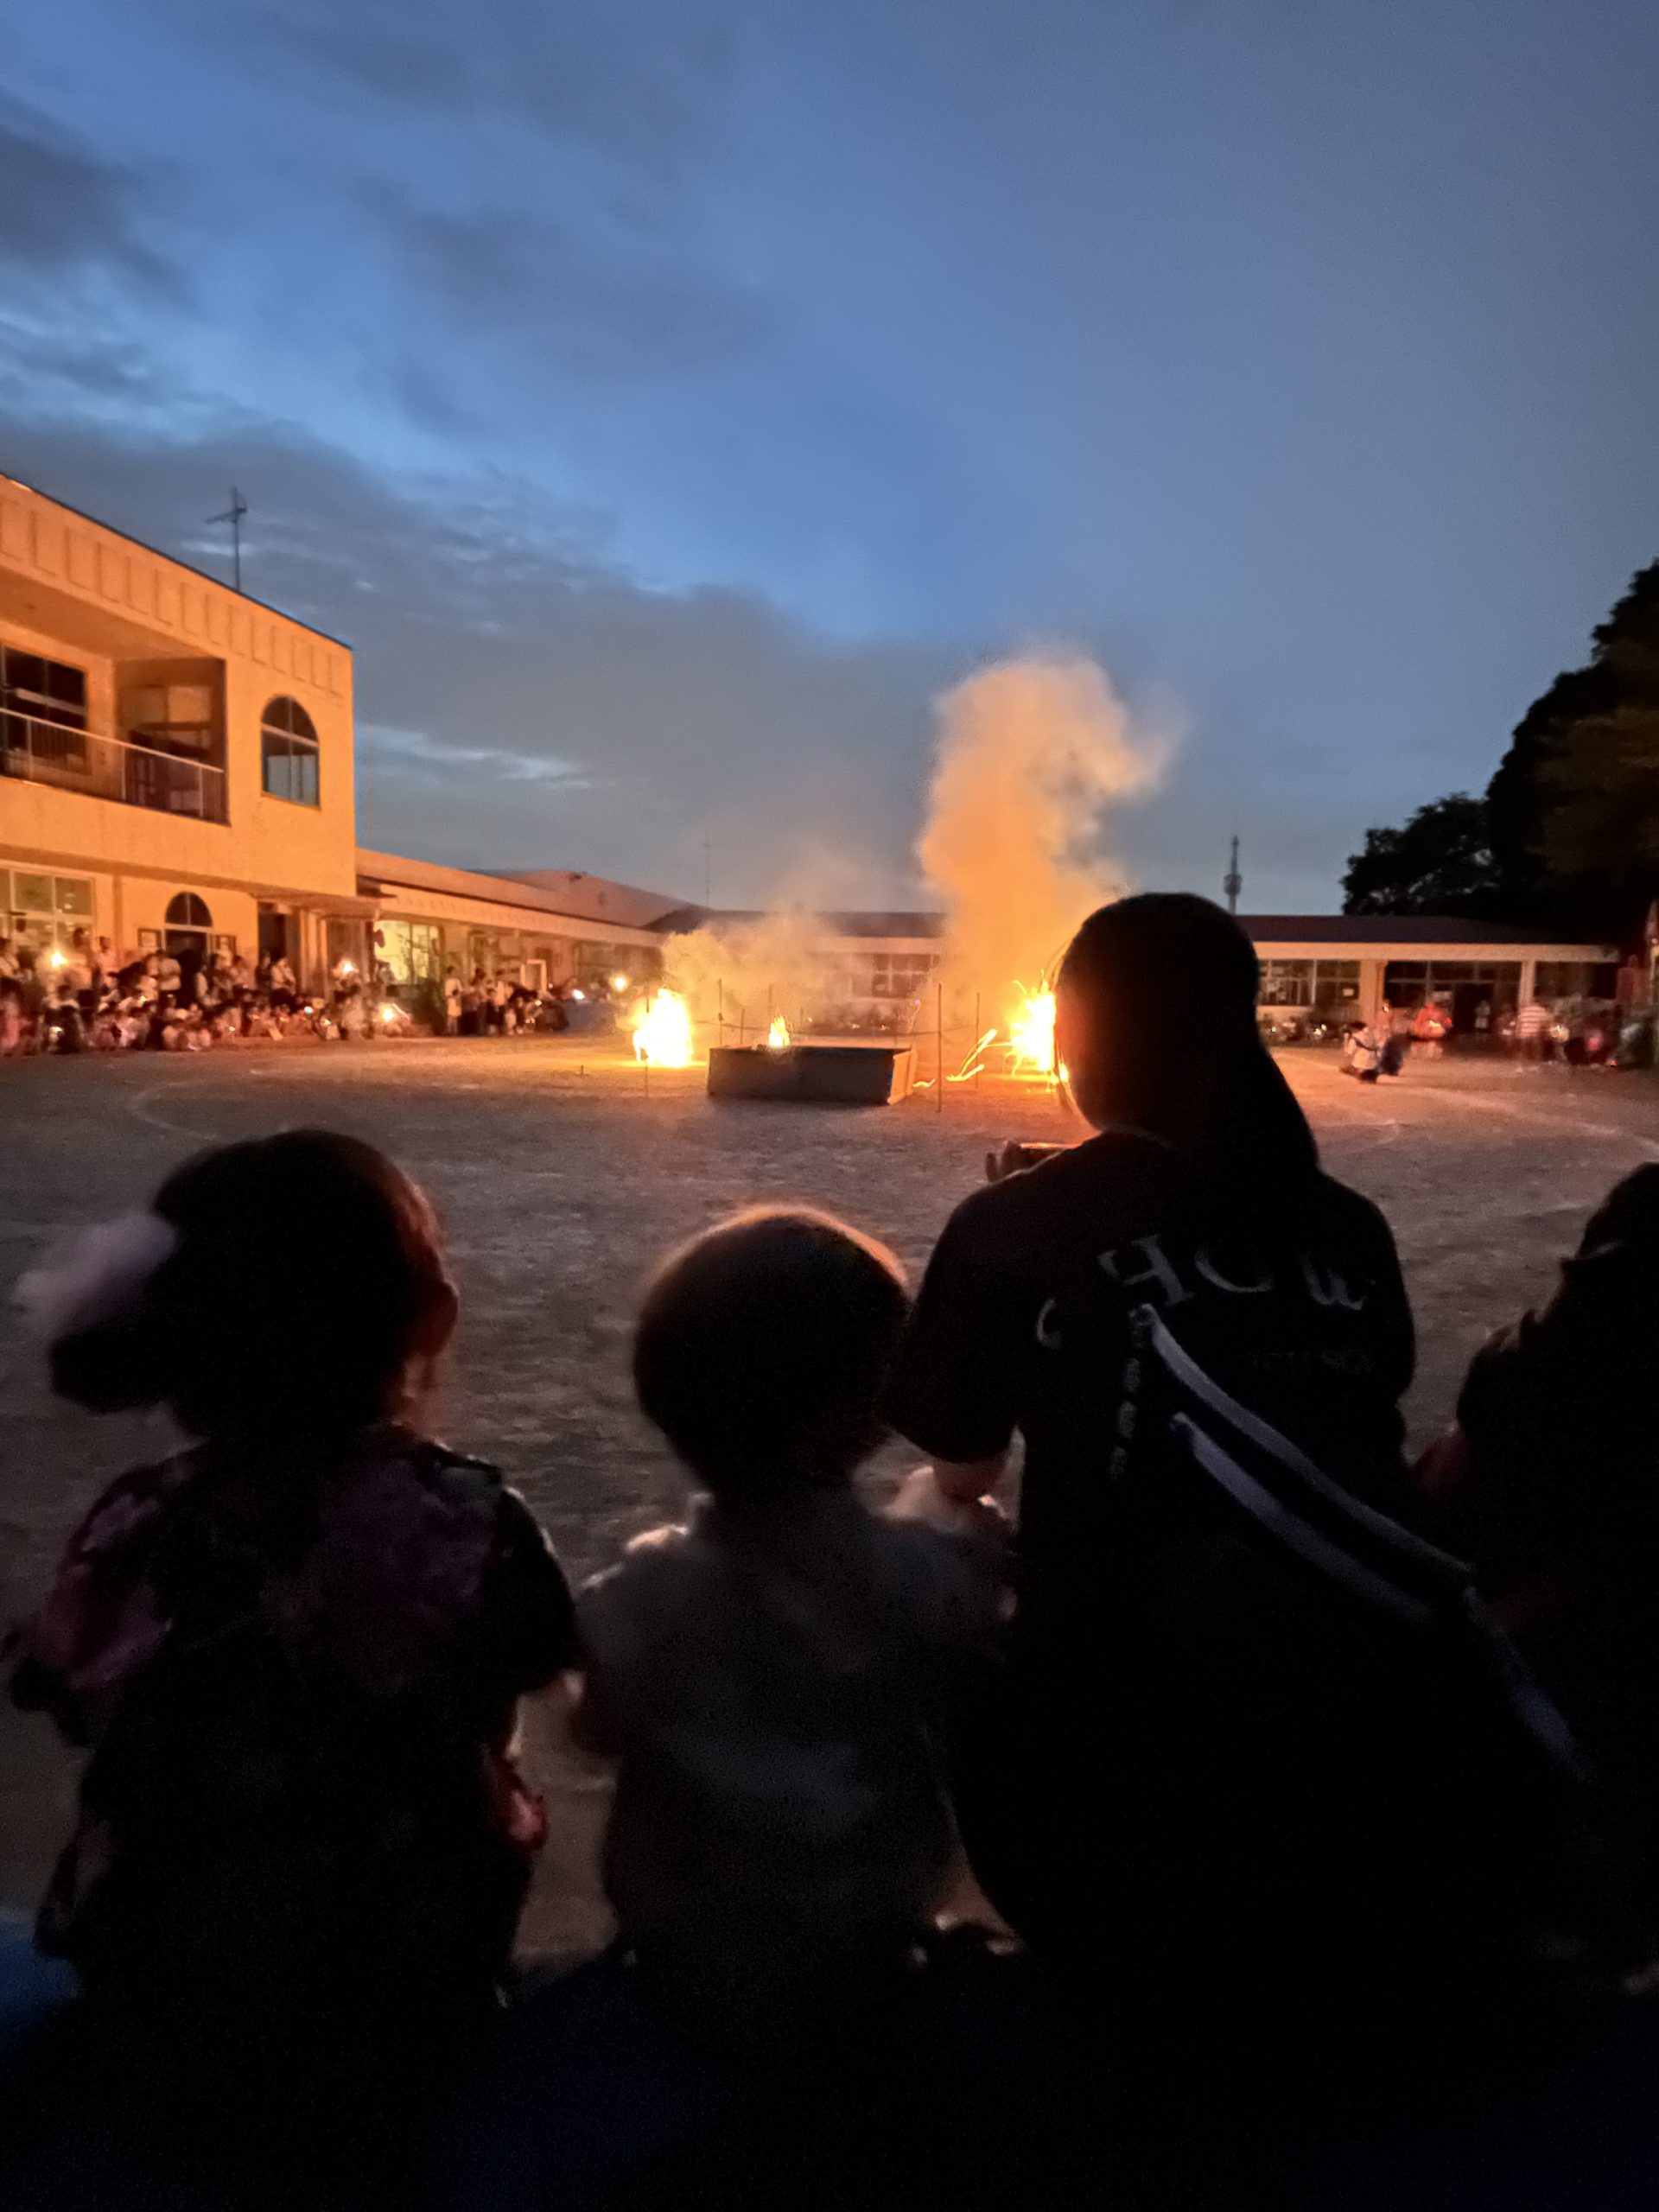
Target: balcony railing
(108,768)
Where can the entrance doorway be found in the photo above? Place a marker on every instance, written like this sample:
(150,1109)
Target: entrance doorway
(274,935)
(188,922)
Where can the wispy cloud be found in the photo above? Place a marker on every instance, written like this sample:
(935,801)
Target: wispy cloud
(67,210)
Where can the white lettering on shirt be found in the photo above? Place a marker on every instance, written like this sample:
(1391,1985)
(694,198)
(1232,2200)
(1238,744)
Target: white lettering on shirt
(1158,1273)
(1326,1287)
(1211,1273)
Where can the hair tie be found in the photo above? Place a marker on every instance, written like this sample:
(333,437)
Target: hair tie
(97,1277)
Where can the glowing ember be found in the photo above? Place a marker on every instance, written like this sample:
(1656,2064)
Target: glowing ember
(777,1035)
(1031,1035)
(975,1059)
(662,1036)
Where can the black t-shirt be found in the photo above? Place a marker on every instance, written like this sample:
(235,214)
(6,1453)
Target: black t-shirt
(1289,1292)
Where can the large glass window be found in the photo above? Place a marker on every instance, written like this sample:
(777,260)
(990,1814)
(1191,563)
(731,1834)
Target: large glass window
(42,712)
(44,910)
(900,974)
(1286,982)
(289,753)
(411,950)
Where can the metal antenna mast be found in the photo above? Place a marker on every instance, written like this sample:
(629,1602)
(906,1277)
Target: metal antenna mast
(233,515)
(1232,883)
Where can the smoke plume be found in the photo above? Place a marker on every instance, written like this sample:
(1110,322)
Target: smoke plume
(1029,756)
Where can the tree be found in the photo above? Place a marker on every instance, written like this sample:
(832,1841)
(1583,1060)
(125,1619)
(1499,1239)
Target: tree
(1441,863)
(1573,807)
(1568,835)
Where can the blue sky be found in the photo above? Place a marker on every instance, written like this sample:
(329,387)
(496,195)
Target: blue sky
(669,398)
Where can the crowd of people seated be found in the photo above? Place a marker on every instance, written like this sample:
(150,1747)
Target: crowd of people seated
(84,996)
(1313,1803)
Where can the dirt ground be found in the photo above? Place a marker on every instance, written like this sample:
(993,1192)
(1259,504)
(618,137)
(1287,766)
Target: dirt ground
(561,1173)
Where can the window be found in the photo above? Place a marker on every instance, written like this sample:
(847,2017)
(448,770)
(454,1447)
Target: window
(900,974)
(186,912)
(1286,982)
(1336,983)
(42,711)
(44,909)
(48,689)
(287,752)
(411,950)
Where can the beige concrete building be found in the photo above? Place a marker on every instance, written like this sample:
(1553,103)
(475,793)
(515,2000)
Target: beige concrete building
(175,760)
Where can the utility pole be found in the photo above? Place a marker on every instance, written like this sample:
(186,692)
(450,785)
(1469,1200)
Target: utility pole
(1232,883)
(233,515)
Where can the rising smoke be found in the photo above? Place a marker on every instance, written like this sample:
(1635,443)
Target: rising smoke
(1029,756)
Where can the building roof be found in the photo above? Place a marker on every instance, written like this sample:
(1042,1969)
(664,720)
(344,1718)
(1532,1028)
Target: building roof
(160,554)
(376,869)
(1425,930)
(844,922)
(596,898)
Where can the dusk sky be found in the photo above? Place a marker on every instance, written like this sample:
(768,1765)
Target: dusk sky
(667,398)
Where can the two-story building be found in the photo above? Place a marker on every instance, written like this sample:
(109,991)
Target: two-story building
(175,758)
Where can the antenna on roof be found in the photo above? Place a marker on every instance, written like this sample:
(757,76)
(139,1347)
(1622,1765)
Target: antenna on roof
(1232,883)
(233,515)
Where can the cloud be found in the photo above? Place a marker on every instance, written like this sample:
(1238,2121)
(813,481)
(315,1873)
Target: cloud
(523,700)
(498,274)
(68,210)
(638,82)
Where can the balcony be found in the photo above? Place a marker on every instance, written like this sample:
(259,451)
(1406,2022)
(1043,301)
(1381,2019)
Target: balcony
(69,760)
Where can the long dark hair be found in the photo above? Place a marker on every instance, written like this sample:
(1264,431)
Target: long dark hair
(305,1266)
(1165,984)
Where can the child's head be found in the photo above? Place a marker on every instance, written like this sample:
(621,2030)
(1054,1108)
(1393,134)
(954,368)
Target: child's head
(291,1280)
(763,1347)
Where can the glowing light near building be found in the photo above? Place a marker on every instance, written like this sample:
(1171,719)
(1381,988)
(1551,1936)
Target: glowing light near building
(388,1013)
(619,982)
(777,1035)
(662,1036)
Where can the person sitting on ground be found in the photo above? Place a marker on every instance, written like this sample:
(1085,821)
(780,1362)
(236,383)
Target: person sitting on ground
(769,1674)
(295,1651)
(1549,1483)
(1104,1802)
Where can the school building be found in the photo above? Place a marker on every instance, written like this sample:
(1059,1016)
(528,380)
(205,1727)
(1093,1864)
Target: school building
(177,771)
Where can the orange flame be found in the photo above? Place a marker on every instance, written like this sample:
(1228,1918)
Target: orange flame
(661,1036)
(777,1035)
(1031,1035)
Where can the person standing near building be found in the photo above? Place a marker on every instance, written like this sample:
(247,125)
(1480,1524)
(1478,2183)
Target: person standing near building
(452,997)
(1532,1031)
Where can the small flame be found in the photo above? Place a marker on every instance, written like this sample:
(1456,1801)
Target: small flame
(662,1036)
(1031,1034)
(57,957)
(388,1012)
(777,1035)
(619,982)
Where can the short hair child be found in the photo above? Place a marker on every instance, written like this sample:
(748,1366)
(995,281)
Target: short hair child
(294,1649)
(761,1350)
(770,1673)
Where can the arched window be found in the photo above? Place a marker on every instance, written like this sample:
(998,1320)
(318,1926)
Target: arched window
(186,912)
(287,752)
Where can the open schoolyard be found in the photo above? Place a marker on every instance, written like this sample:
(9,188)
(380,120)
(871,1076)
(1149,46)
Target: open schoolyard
(561,1173)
